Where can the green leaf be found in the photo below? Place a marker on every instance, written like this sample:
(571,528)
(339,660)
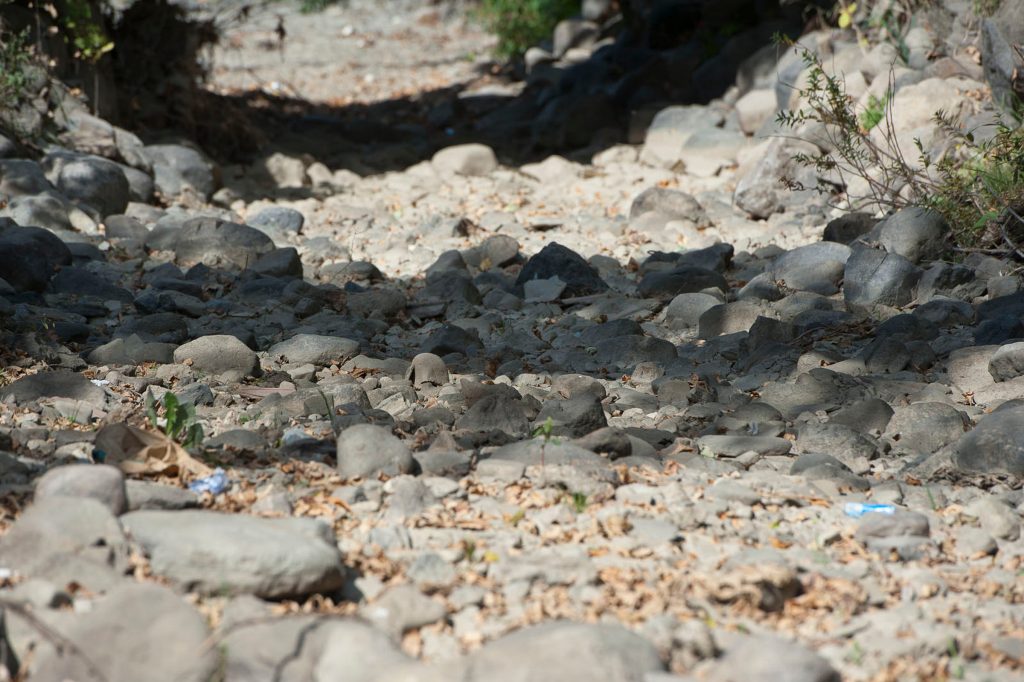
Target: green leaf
(194,437)
(151,413)
(986,217)
(171,415)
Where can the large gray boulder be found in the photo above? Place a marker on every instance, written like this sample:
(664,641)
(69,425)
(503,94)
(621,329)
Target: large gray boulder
(217,553)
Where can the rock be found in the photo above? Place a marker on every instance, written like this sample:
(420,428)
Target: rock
(771,659)
(218,553)
(466,159)
(50,210)
(573,32)
(403,608)
(994,446)
(431,572)
(899,524)
(999,33)
(926,427)
(448,464)
(283,171)
(760,191)
(407,496)
(874,278)
(452,339)
(728,318)
(92,180)
(80,281)
(840,441)
(755,109)
(1007,362)
(497,250)
(219,354)
(734,446)
(915,233)
(29,256)
(177,169)
(572,418)
(997,518)
(626,352)
(278,222)
(685,310)
(98,481)
(667,204)
(131,350)
(140,184)
(22,177)
(134,632)
(685,279)
(607,440)
(67,538)
(554,260)
(353,651)
(365,451)
(217,242)
(146,495)
(848,227)
(871,414)
(281,263)
(672,127)
(427,368)
(817,268)
(601,653)
(495,412)
(543,290)
(56,384)
(974,542)
(314,349)
(817,466)
(705,154)
(284,647)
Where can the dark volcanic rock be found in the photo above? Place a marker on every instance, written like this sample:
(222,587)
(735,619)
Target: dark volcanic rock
(554,260)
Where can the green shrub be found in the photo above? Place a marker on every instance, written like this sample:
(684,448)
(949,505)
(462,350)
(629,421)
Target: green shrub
(309,6)
(179,422)
(980,188)
(520,24)
(15,56)
(977,184)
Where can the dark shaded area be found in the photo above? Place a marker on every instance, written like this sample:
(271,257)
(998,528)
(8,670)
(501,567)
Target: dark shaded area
(668,52)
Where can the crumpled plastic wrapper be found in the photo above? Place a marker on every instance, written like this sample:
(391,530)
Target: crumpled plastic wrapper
(145,453)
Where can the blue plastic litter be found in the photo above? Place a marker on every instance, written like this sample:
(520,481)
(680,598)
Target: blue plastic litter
(215,483)
(859,509)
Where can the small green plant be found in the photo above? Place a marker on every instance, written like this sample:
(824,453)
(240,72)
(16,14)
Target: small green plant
(579,502)
(85,31)
(875,111)
(519,24)
(545,431)
(469,550)
(310,6)
(977,185)
(855,150)
(986,8)
(856,655)
(179,419)
(15,56)
(956,661)
(980,187)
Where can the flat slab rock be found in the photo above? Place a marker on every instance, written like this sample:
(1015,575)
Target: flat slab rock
(215,553)
(134,632)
